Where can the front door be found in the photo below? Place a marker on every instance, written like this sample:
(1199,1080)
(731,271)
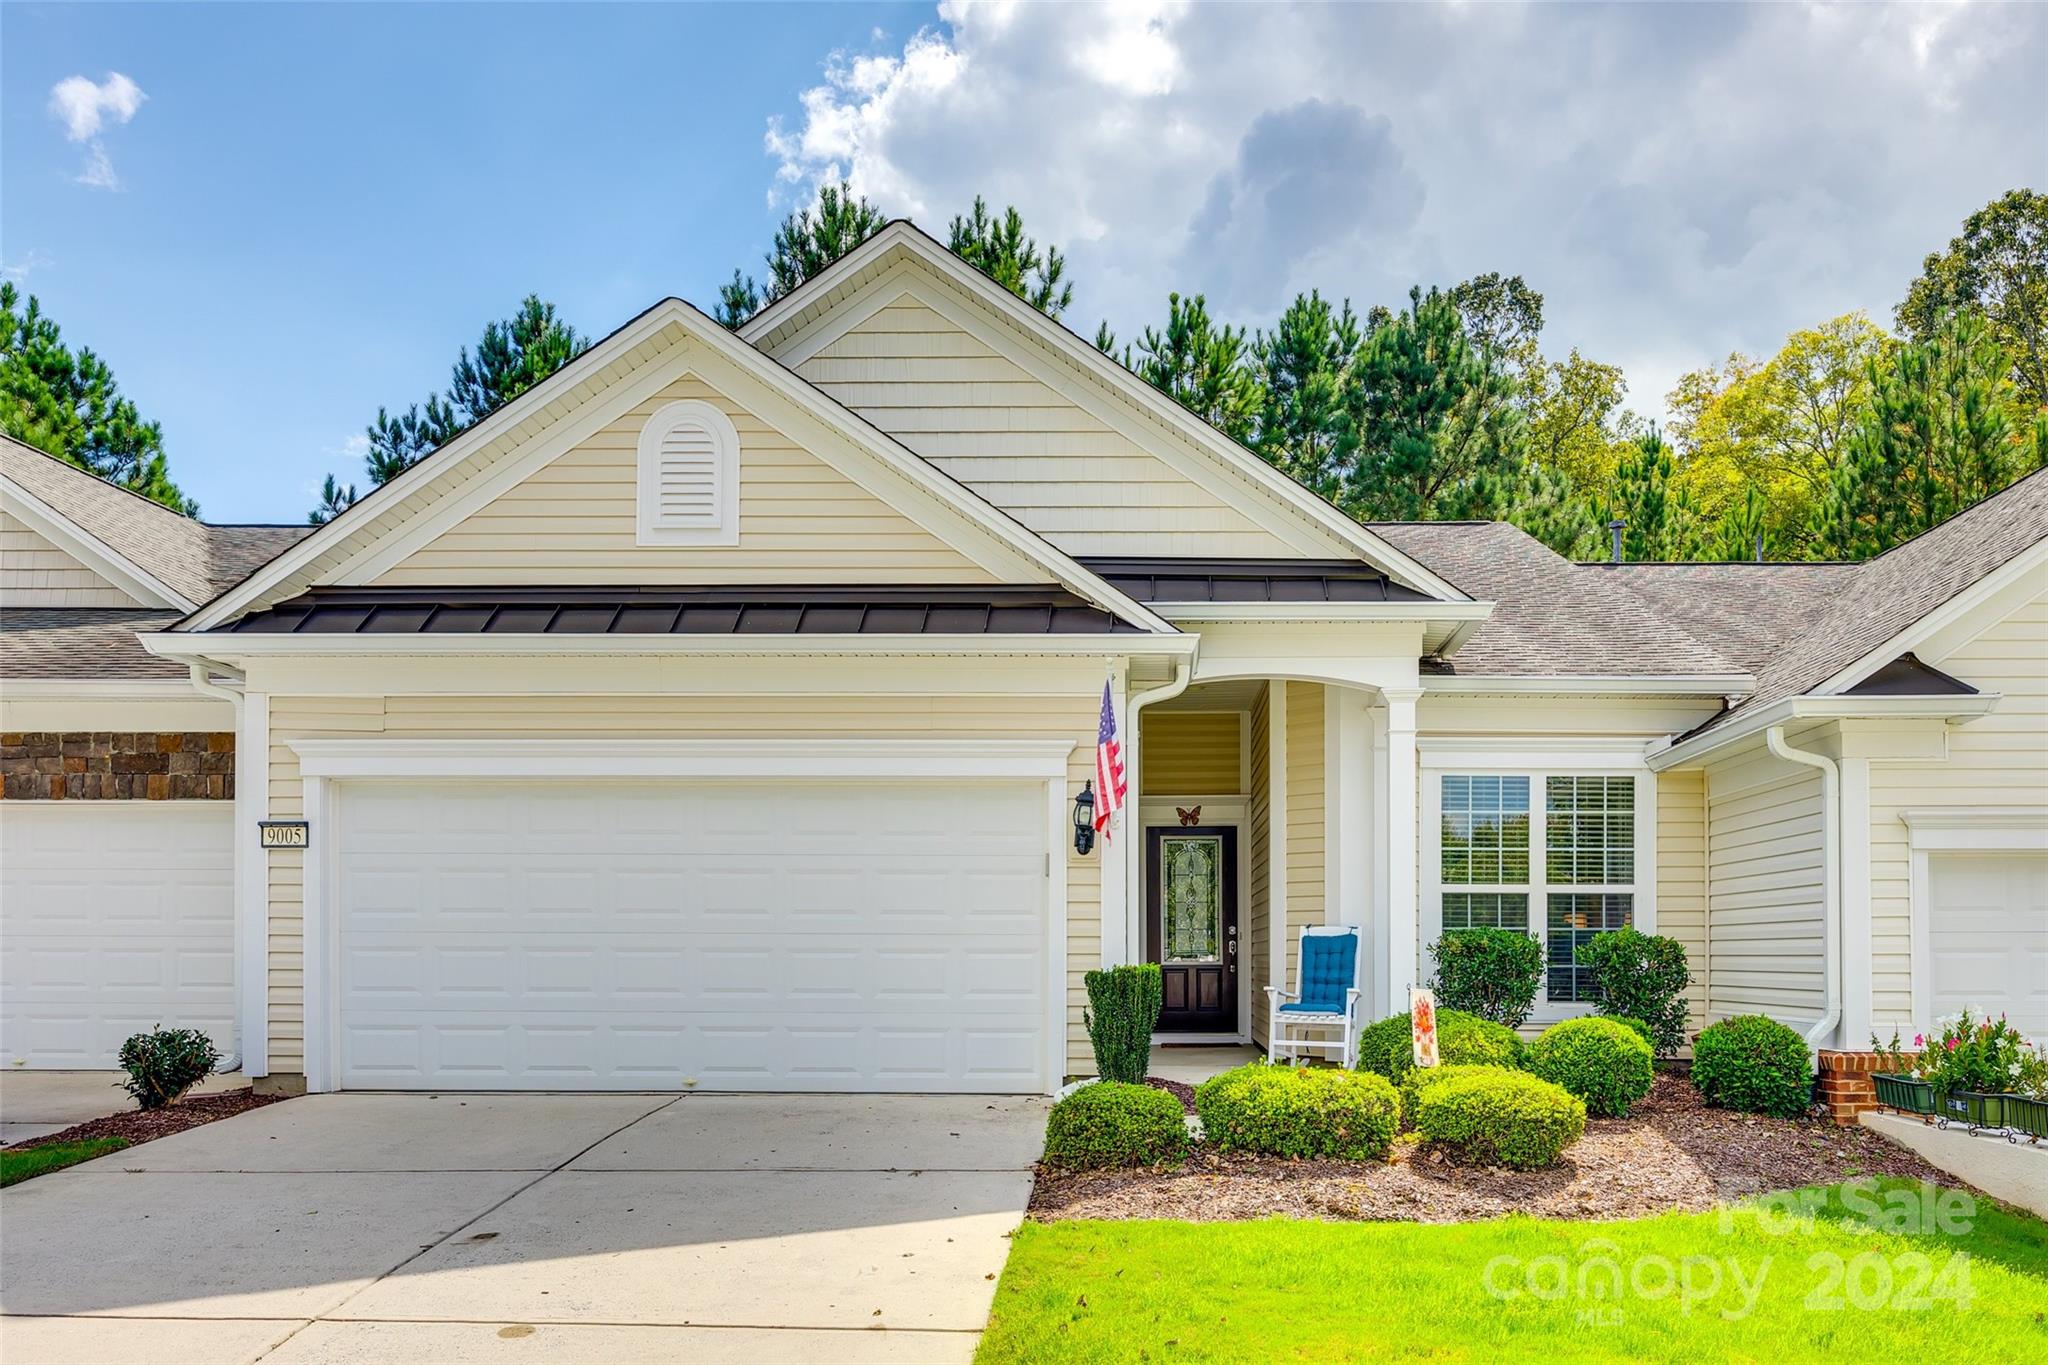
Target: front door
(1191,925)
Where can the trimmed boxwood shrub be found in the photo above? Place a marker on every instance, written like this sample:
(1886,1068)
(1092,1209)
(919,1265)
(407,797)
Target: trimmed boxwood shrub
(1461,1040)
(165,1063)
(1420,1078)
(1114,1124)
(1602,1061)
(1641,976)
(1490,973)
(1754,1064)
(1299,1111)
(1498,1117)
(1123,1008)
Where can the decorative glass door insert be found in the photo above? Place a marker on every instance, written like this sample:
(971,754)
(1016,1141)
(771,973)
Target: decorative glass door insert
(1192,873)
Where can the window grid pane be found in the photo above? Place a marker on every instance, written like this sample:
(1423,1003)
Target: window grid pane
(1486,910)
(1485,830)
(1575,917)
(1589,830)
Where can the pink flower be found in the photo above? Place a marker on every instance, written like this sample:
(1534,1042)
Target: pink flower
(1919,1040)
(1951,1045)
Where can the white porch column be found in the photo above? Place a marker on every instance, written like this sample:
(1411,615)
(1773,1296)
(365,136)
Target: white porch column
(252,885)
(1401,843)
(1347,777)
(1276,836)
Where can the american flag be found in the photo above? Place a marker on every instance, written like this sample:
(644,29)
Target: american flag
(1110,784)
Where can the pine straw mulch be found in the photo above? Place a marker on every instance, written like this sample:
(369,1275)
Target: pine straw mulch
(1672,1153)
(146,1125)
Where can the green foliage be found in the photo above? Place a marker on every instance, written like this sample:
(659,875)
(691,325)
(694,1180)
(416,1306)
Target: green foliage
(1497,1117)
(1602,1061)
(1972,1053)
(1114,1124)
(67,404)
(1641,976)
(1660,520)
(1491,973)
(1997,267)
(1387,1047)
(1306,426)
(1299,1112)
(1754,1064)
(1421,1078)
(999,249)
(1123,1008)
(165,1063)
(1202,365)
(26,1163)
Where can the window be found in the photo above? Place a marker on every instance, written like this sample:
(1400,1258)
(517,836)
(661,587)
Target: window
(1561,872)
(689,492)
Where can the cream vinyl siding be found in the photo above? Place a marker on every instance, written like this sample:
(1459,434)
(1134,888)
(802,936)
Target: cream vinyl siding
(1258,832)
(2000,760)
(953,717)
(35,573)
(1192,753)
(1024,446)
(1765,891)
(574,521)
(1305,837)
(1682,875)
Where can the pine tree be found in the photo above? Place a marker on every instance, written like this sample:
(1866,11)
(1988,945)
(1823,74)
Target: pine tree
(807,241)
(1202,364)
(1662,523)
(1306,425)
(1744,531)
(999,249)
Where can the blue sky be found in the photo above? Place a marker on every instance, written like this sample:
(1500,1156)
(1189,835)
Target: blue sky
(317,205)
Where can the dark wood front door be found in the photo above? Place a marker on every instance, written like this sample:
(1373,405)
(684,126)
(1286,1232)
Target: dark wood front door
(1191,925)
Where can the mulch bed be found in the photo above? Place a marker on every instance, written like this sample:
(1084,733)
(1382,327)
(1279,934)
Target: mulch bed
(140,1125)
(1673,1152)
(1184,1093)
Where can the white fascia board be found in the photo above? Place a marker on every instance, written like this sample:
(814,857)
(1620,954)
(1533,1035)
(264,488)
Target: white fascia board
(2014,571)
(754,759)
(82,545)
(1343,612)
(1078,353)
(99,689)
(212,647)
(1949,707)
(1597,685)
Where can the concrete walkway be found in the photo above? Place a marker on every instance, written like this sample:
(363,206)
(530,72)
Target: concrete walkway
(1193,1064)
(614,1228)
(35,1104)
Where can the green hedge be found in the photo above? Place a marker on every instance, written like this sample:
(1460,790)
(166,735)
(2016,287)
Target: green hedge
(1461,1039)
(1641,976)
(1299,1112)
(1421,1078)
(1490,973)
(1123,1009)
(1604,1062)
(1754,1064)
(1498,1117)
(1114,1124)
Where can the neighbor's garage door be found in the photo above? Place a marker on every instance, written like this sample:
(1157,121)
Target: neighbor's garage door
(115,917)
(1988,935)
(738,937)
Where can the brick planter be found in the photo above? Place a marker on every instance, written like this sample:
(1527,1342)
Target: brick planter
(1845,1084)
(118,766)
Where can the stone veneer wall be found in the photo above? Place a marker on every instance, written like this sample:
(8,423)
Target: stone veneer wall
(118,766)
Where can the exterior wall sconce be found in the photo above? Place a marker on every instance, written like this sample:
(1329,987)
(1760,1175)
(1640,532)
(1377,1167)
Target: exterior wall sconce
(1084,819)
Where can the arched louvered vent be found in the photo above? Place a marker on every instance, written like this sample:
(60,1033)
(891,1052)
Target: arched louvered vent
(689,477)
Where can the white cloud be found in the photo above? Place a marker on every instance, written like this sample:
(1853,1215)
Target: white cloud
(86,108)
(17,271)
(1679,181)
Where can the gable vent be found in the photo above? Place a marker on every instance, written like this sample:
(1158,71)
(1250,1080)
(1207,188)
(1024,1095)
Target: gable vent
(689,477)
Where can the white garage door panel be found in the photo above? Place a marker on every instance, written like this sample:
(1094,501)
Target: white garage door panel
(115,917)
(1988,935)
(763,936)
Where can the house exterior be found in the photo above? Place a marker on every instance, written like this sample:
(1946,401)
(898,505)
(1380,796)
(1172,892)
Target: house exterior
(713,715)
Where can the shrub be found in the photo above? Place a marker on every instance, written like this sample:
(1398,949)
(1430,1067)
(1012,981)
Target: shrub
(1601,1061)
(1421,1078)
(1753,1064)
(1641,976)
(1491,973)
(1388,1048)
(1971,1053)
(1114,1124)
(1638,1028)
(1499,1117)
(1299,1111)
(164,1064)
(1123,1007)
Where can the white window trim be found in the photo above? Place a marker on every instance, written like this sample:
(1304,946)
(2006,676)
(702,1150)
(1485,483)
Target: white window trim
(1535,763)
(726,440)
(1955,829)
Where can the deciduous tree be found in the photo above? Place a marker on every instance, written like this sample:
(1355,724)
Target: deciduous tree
(1998,266)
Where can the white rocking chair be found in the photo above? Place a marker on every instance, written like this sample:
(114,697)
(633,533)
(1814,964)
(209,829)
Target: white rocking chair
(1327,1001)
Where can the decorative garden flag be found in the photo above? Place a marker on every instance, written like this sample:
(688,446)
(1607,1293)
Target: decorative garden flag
(1422,1025)
(1110,784)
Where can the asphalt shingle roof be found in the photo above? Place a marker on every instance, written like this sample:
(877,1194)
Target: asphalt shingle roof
(82,642)
(1746,611)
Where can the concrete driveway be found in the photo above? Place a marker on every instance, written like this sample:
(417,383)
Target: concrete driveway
(568,1228)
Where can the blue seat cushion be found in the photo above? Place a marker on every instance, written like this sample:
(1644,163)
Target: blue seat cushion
(1329,969)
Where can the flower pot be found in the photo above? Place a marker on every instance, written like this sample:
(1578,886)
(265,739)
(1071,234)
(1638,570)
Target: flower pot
(2024,1115)
(1973,1108)
(1906,1094)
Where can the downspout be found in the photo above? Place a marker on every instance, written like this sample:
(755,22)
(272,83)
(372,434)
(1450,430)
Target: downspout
(1183,673)
(203,683)
(1831,875)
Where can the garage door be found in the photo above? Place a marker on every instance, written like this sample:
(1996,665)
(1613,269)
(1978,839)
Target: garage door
(115,917)
(1988,935)
(717,934)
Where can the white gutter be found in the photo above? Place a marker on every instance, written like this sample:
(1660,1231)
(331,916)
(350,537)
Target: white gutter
(1831,876)
(1955,707)
(1733,685)
(203,683)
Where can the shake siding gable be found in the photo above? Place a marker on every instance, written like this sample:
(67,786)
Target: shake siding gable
(36,573)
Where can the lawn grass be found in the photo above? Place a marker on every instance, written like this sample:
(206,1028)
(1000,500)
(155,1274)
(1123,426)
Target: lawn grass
(28,1163)
(1839,1284)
